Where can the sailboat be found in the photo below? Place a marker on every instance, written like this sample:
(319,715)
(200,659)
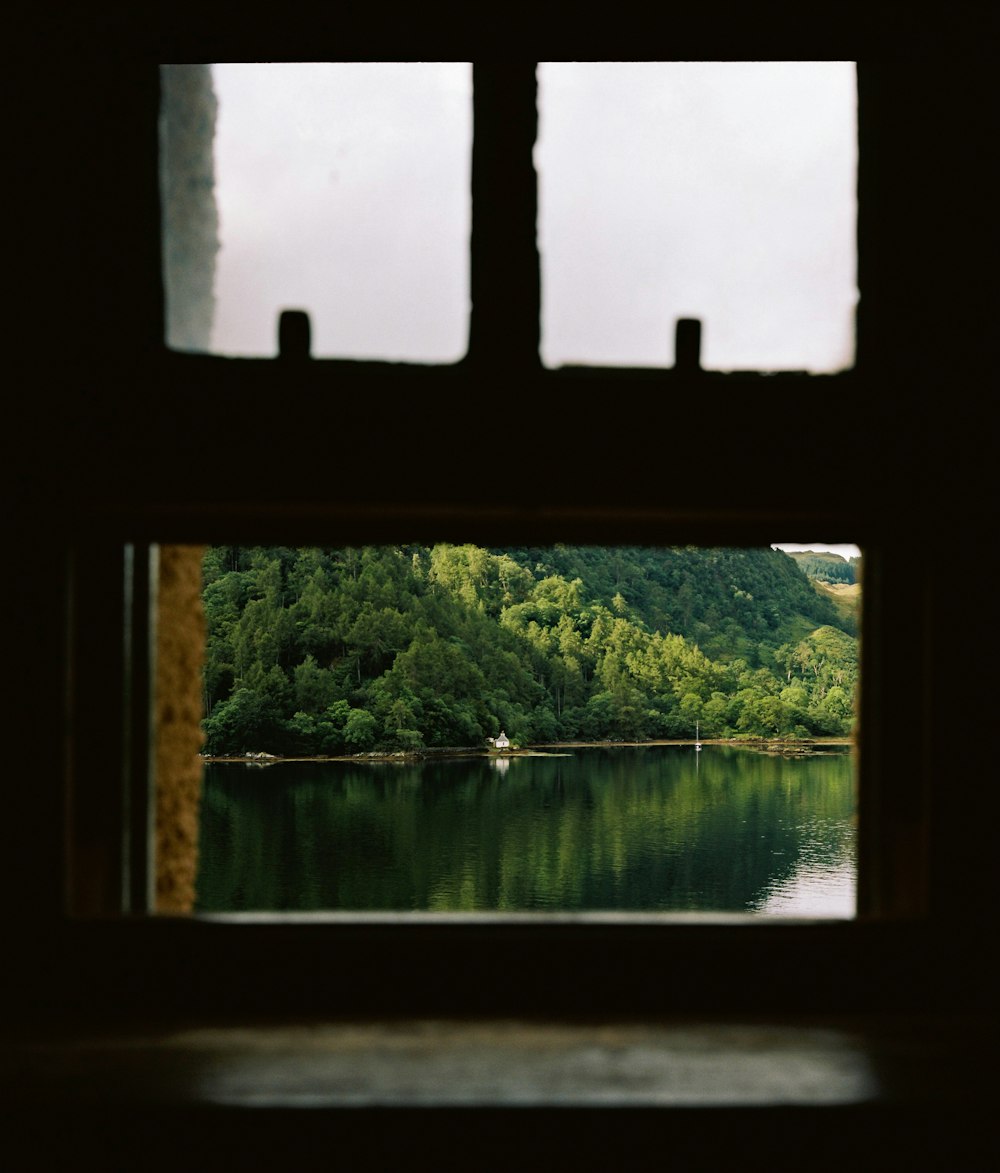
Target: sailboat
(697,738)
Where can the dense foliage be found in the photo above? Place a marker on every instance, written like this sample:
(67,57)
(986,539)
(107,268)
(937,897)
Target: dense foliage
(331,651)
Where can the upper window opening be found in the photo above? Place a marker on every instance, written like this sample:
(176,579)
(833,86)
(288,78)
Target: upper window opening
(340,188)
(722,191)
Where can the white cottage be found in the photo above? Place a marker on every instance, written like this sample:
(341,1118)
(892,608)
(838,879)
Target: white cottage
(503,741)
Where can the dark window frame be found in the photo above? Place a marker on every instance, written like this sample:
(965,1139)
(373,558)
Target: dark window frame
(187,402)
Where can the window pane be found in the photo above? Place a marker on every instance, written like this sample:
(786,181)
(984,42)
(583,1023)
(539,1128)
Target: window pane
(723,191)
(343,189)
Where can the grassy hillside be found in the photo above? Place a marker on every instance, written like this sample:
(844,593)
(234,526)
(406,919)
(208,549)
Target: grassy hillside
(836,580)
(846,599)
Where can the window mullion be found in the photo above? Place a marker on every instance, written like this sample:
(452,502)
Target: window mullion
(504,331)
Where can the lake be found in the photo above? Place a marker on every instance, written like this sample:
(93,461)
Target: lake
(641,829)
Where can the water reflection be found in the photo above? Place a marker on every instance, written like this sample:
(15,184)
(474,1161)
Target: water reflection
(823,882)
(653,828)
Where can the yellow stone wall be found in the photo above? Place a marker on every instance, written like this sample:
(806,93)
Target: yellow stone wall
(179,657)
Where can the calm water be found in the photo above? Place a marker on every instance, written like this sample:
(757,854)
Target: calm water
(659,828)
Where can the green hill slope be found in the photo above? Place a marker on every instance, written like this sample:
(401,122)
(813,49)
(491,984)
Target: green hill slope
(826,566)
(846,600)
(324,651)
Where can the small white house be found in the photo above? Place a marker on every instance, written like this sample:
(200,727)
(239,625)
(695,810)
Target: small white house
(503,741)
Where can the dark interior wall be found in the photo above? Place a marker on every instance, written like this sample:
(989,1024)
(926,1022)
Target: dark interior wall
(109,434)
(107,440)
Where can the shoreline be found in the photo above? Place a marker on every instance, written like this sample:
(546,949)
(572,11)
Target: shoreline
(788,746)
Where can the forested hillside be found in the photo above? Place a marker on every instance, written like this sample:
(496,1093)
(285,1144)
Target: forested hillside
(331,651)
(826,566)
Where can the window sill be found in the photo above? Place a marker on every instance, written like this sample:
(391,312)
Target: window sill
(676,1063)
(485,1093)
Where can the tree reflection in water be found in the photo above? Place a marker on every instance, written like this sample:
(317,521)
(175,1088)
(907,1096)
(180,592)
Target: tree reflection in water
(656,828)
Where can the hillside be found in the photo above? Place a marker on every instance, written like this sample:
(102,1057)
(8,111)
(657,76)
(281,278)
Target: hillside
(825,566)
(323,651)
(846,599)
(734,603)
(835,579)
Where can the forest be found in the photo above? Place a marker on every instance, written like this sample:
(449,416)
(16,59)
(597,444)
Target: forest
(332,651)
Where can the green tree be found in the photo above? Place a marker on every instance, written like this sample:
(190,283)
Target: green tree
(359,731)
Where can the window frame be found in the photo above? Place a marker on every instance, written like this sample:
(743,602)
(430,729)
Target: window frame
(504,256)
(616,965)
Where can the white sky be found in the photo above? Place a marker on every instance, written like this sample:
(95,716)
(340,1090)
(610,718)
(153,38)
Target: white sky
(723,191)
(343,190)
(845,551)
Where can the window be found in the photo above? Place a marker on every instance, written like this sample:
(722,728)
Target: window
(716,190)
(177,78)
(293,456)
(564,729)
(343,189)
(723,191)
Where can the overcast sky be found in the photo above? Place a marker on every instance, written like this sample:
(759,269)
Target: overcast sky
(845,551)
(723,191)
(343,190)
